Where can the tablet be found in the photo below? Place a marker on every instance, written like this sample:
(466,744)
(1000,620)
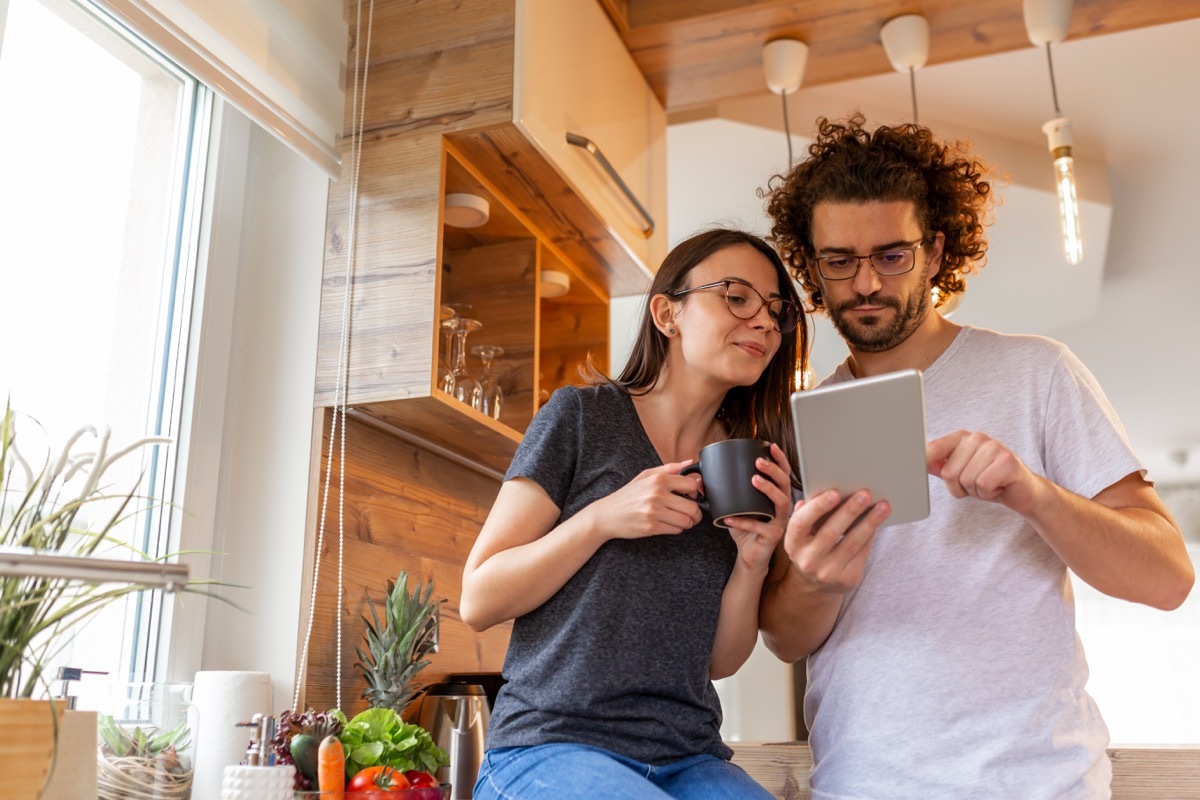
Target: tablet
(869,434)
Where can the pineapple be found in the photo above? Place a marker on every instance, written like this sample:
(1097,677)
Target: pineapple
(396,647)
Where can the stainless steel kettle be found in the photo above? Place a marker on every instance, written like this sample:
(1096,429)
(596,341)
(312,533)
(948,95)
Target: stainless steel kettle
(456,716)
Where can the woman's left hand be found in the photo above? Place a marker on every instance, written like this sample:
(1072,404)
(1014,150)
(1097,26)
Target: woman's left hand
(756,541)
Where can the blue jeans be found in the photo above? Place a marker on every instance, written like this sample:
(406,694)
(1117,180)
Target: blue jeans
(582,772)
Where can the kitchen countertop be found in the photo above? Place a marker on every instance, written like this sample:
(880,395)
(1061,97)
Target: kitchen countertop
(1139,772)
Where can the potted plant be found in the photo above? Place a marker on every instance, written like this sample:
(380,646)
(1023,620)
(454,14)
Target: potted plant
(57,517)
(144,762)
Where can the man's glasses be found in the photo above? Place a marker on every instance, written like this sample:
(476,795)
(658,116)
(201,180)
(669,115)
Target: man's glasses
(895,261)
(744,302)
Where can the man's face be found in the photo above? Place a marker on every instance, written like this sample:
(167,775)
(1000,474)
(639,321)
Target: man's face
(874,312)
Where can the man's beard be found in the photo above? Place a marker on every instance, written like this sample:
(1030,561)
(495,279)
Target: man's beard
(870,334)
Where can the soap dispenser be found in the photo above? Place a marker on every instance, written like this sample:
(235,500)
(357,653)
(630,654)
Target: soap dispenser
(258,777)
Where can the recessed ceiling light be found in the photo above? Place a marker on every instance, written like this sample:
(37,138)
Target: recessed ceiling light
(465,210)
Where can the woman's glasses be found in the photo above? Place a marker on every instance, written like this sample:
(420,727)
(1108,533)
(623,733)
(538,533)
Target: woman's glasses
(744,302)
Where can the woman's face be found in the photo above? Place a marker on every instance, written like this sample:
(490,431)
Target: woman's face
(732,351)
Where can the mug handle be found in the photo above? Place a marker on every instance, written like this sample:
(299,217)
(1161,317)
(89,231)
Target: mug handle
(694,467)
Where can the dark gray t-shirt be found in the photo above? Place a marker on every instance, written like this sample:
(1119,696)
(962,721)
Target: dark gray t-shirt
(618,658)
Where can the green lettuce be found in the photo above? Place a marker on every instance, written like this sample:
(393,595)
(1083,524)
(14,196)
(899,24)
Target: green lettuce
(378,736)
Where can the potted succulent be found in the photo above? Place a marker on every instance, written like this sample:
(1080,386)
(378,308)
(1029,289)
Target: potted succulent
(53,509)
(144,762)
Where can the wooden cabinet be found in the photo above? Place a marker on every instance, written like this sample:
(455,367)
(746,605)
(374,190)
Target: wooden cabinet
(459,99)
(581,99)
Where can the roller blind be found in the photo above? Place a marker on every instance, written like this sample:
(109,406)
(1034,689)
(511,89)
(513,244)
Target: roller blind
(282,62)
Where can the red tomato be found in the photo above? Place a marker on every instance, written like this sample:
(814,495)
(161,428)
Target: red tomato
(377,779)
(416,778)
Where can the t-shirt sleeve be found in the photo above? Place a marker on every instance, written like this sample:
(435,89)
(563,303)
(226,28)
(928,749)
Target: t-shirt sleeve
(547,453)
(1086,447)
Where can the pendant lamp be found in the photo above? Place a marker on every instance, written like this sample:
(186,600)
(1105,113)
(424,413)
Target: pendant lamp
(906,42)
(783,64)
(1046,22)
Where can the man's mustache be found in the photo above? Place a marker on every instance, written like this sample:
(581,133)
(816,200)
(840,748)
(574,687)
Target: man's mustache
(869,300)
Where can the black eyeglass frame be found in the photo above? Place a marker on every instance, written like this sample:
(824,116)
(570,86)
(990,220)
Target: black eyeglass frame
(784,304)
(822,261)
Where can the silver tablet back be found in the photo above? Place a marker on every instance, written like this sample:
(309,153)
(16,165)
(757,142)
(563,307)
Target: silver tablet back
(866,433)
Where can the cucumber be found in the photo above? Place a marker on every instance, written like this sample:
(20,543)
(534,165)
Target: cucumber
(304,752)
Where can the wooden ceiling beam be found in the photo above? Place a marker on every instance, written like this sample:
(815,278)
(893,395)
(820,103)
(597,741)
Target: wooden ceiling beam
(696,52)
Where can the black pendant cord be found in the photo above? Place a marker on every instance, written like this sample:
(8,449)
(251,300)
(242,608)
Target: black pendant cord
(786,129)
(912,84)
(1053,87)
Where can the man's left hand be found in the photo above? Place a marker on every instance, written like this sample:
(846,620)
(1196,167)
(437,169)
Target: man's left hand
(973,464)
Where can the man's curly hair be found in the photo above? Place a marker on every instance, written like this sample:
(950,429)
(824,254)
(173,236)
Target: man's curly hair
(848,164)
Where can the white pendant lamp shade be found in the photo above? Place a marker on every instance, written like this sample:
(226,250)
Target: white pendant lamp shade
(783,62)
(906,41)
(1047,21)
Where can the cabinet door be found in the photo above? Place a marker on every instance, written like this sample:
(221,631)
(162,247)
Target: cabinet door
(573,75)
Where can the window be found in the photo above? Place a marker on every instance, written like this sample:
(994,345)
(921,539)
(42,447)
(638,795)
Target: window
(103,146)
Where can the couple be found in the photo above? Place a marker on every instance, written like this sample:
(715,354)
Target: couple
(942,654)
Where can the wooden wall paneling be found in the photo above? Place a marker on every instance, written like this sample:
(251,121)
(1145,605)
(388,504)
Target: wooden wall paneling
(434,69)
(405,509)
(432,27)
(394,273)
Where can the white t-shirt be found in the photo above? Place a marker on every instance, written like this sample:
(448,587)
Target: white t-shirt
(954,670)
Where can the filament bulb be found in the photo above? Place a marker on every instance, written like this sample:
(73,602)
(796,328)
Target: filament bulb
(1058,131)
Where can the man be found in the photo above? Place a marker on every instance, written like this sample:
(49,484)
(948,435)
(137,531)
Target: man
(942,655)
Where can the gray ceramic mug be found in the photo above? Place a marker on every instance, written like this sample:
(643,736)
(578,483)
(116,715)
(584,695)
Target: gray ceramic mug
(727,468)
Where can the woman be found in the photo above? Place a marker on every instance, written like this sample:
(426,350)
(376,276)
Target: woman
(627,601)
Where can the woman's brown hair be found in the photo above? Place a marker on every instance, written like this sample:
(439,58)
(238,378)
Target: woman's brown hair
(761,410)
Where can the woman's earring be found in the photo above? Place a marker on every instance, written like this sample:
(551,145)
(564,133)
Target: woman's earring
(670,331)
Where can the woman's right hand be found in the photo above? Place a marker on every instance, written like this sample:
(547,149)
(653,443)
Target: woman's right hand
(658,501)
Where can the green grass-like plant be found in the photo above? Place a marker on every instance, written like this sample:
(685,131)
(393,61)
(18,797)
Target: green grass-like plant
(47,508)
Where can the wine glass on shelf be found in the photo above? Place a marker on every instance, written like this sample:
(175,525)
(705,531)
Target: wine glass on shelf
(490,396)
(465,387)
(446,314)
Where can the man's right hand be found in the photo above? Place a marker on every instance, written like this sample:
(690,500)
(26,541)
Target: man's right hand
(828,539)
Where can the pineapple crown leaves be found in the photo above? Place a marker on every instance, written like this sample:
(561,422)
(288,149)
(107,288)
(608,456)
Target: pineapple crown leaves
(397,645)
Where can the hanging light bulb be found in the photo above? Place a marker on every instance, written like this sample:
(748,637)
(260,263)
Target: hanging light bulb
(1058,132)
(1047,21)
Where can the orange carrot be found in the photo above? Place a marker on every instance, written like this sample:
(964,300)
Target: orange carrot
(331,769)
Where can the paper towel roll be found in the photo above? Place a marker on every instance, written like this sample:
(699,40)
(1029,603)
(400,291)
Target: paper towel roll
(222,700)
